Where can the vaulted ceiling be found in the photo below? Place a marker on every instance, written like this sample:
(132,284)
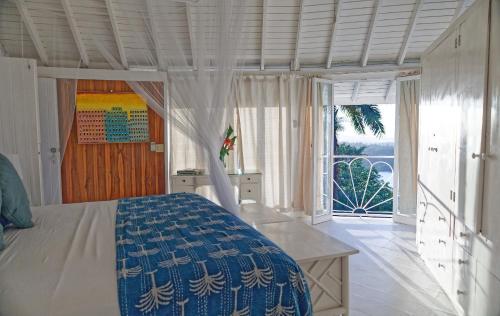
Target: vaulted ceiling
(278,33)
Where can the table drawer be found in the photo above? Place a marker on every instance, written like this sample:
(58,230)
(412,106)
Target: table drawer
(250,178)
(182,180)
(249,191)
(183,188)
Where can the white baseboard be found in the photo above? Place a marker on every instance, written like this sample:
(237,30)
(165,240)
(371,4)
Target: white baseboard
(407,219)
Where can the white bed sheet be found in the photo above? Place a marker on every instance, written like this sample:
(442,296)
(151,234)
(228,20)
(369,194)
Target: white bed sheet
(64,265)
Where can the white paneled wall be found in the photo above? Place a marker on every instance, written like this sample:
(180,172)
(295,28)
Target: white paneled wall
(19,120)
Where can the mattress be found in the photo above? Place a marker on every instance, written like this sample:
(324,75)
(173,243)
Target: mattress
(64,265)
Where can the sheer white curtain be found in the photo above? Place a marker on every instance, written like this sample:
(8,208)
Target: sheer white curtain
(271,129)
(200,77)
(407,149)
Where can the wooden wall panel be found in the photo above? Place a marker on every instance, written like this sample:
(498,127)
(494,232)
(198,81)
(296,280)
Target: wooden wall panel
(100,172)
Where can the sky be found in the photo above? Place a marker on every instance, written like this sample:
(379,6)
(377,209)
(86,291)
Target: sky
(388,112)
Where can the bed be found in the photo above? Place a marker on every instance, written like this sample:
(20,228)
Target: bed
(176,254)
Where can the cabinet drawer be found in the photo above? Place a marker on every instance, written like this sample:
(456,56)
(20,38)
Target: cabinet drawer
(439,220)
(250,178)
(463,236)
(250,191)
(183,188)
(443,270)
(182,180)
(463,279)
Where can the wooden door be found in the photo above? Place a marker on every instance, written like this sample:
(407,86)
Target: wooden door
(439,117)
(322,150)
(491,198)
(49,141)
(100,172)
(472,82)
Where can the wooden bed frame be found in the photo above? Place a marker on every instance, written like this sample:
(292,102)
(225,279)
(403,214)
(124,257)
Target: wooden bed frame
(324,259)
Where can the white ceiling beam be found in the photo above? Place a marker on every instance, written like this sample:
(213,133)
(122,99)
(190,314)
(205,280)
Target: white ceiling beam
(371,30)
(336,21)
(76,33)
(154,34)
(461,6)
(116,33)
(390,89)
(355,91)
(296,62)
(192,39)
(263,35)
(33,32)
(347,72)
(99,74)
(409,31)
(3,51)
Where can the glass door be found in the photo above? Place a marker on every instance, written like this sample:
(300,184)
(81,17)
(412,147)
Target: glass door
(323,128)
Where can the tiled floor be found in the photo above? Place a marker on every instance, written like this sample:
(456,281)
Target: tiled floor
(387,276)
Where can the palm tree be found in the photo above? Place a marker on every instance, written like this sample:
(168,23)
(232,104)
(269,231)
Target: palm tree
(362,117)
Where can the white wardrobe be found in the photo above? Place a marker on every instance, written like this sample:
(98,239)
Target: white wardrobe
(458,214)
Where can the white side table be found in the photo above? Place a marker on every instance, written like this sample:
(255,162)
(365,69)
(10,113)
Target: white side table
(249,184)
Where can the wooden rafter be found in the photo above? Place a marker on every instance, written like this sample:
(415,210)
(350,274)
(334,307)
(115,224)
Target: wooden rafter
(371,30)
(355,91)
(116,33)
(76,33)
(296,63)
(154,34)
(33,32)
(390,88)
(334,31)
(409,31)
(192,41)
(263,35)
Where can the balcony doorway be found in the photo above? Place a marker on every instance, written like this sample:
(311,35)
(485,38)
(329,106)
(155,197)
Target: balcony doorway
(353,156)
(363,159)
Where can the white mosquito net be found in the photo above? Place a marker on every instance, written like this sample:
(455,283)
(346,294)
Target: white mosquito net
(199,74)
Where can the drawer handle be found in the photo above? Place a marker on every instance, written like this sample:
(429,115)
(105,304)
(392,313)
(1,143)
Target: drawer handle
(440,265)
(442,219)
(460,261)
(460,292)
(481,156)
(422,243)
(183,180)
(442,241)
(464,235)
(249,179)
(422,221)
(249,191)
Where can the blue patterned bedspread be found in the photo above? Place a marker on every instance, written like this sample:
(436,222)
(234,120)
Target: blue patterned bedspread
(181,254)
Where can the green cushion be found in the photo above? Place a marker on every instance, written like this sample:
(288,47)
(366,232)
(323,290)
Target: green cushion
(2,245)
(15,206)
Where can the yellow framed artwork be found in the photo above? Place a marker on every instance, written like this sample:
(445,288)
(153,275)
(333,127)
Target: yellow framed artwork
(111,118)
